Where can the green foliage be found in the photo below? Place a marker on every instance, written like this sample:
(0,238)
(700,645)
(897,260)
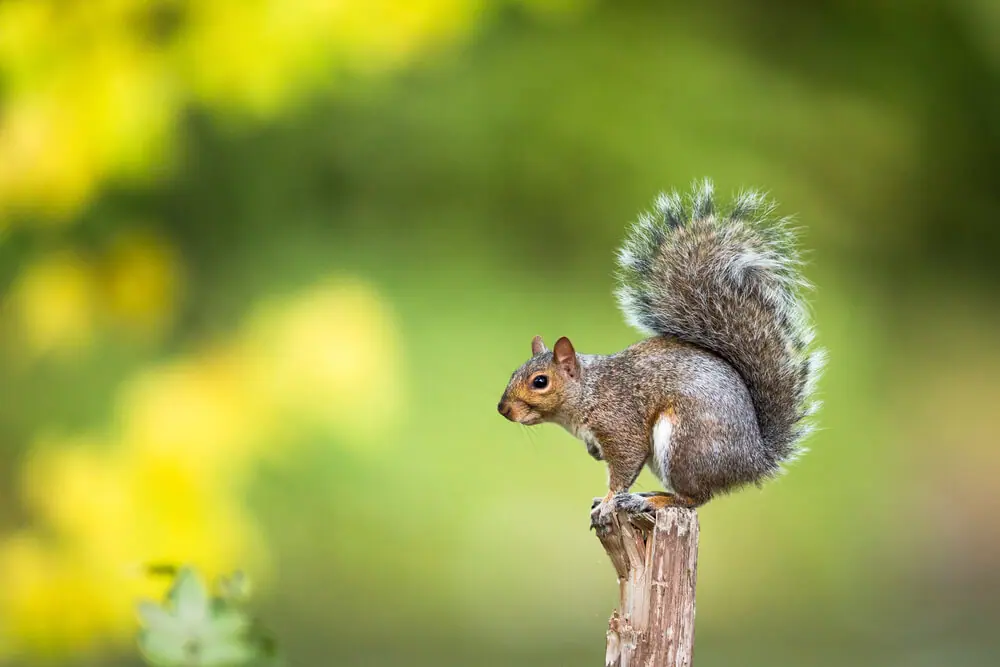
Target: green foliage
(193,628)
(479,195)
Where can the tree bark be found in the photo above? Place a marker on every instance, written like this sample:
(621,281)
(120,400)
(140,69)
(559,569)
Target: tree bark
(656,558)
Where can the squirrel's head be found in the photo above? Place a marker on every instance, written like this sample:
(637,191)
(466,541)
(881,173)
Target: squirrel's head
(538,389)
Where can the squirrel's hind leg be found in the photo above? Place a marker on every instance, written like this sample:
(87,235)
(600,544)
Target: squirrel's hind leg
(655,500)
(638,503)
(658,499)
(635,503)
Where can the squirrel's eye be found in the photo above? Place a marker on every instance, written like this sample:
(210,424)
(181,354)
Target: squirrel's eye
(540,382)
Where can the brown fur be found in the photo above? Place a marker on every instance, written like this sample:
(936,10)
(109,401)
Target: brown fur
(618,399)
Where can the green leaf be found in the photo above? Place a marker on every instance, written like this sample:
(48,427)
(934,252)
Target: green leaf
(226,653)
(162,649)
(153,616)
(235,587)
(193,630)
(189,597)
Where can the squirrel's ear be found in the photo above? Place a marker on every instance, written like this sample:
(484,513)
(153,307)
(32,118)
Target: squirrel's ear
(537,346)
(565,356)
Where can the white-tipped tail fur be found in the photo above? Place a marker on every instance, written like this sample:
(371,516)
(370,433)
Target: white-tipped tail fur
(729,281)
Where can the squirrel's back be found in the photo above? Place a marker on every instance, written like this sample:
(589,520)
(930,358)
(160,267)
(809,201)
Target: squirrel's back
(729,281)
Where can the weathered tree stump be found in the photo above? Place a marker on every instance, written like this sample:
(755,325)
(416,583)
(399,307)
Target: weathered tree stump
(656,558)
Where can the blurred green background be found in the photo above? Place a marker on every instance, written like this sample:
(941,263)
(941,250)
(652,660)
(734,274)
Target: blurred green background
(267,266)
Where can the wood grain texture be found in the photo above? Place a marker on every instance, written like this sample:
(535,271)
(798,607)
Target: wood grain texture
(656,559)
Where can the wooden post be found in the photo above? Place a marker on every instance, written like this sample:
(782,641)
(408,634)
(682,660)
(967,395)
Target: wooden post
(656,558)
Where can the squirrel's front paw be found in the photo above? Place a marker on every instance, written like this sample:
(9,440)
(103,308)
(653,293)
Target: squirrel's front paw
(600,516)
(601,510)
(630,503)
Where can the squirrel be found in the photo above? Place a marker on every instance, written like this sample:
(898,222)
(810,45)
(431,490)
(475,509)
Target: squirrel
(719,396)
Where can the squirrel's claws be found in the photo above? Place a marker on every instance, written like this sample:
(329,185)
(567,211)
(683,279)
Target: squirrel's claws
(630,503)
(601,509)
(600,514)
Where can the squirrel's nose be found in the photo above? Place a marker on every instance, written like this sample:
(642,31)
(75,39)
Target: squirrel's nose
(502,409)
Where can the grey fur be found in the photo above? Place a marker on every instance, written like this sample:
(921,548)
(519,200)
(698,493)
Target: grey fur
(729,282)
(717,445)
(728,361)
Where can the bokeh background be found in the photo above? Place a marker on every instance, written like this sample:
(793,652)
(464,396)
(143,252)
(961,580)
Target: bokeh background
(266,267)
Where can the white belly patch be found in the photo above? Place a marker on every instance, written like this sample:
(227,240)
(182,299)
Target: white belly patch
(659,458)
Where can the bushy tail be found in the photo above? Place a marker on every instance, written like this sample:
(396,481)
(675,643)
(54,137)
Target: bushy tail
(728,281)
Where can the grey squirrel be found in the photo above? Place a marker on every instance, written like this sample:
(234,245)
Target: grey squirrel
(719,395)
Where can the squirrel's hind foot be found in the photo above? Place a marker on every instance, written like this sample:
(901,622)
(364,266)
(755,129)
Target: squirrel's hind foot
(659,499)
(634,503)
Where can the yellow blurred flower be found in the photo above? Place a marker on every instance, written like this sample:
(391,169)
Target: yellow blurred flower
(87,99)
(330,357)
(168,484)
(59,300)
(183,516)
(127,506)
(51,604)
(109,511)
(377,34)
(94,90)
(202,408)
(262,54)
(89,487)
(141,280)
(244,55)
(54,302)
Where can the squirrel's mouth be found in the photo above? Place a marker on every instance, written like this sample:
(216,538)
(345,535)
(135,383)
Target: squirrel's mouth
(530,419)
(518,412)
